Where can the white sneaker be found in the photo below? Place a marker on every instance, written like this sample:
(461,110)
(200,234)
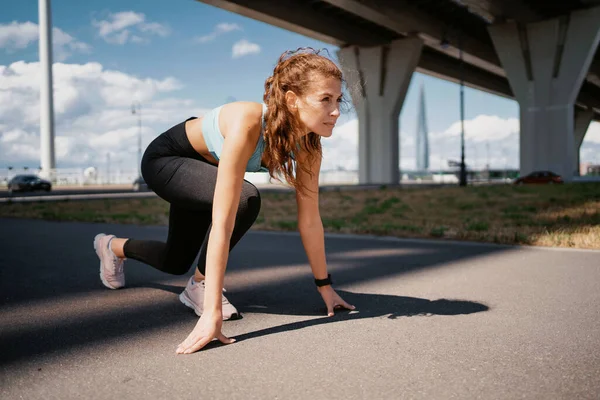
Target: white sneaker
(111,266)
(193,297)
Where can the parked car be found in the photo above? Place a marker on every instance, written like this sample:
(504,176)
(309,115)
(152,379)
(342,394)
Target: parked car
(139,184)
(28,183)
(539,177)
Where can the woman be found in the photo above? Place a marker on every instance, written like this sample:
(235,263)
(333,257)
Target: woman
(198,166)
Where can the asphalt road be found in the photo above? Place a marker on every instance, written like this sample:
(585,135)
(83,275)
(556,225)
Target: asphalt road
(434,320)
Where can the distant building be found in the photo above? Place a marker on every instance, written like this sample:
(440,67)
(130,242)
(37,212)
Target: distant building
(422,132)
(593,170)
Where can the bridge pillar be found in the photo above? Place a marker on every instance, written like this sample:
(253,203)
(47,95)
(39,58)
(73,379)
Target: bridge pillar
(378,79)
(546,63)
(583,119)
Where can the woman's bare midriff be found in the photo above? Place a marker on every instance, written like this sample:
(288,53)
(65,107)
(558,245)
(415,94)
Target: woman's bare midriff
(193,130)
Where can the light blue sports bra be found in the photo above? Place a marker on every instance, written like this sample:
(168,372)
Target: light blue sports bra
(214,139)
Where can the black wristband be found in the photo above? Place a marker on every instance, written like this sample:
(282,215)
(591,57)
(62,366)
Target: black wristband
(324,282)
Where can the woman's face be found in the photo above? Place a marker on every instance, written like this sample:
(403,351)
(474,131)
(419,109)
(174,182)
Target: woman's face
(319,109)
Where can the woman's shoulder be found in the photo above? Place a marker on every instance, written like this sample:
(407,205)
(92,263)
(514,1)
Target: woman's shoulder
(241,116)
(244,110)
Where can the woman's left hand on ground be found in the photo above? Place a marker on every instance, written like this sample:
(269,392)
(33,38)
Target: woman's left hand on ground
(208,328)
(333,300)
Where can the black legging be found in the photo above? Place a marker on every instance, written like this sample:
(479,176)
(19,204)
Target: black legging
(178,174)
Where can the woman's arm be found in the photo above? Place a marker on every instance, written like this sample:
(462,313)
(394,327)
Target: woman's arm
(238,147)
(309,218)
(312,233)
(242,134)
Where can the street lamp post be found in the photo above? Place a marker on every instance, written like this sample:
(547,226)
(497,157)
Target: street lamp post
(107,168)
(136,108)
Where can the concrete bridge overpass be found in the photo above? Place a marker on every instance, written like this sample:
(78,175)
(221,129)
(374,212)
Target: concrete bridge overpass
(542,54)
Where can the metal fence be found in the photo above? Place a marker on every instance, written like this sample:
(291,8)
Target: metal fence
(95,177)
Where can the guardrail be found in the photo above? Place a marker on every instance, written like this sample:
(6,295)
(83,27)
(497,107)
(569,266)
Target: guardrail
(86,177)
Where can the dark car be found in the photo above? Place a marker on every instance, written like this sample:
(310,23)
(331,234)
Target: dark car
(139,185)
(539,177)
(28,183)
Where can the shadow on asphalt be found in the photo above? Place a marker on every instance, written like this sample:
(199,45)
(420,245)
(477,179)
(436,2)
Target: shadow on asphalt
(379,305)
(368,306)
(371,306)
(64,264)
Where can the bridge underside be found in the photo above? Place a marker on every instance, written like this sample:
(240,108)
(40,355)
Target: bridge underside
(520,49)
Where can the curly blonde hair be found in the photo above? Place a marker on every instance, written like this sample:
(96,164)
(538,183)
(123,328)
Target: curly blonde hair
(294,71)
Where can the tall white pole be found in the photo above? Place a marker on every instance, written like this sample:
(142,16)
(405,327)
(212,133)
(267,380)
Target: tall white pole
(48,162)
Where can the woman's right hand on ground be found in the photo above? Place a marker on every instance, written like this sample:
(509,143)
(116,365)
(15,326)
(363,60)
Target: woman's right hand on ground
(207,328)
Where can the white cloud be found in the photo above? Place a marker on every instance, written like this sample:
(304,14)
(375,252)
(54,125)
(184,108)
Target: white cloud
(12,136)
(137,39)
(485,127)
(119,38)
(590,148)
(155,28)
(17,142)
(593,133)
(487,132)
(92,114)
(109,140)
(64,44)
(118,22)
(219,30)
(61,38)
(16,36)
(205,38)
(488,140)
(340,151)
(119,28)
(243,48)
(225,27)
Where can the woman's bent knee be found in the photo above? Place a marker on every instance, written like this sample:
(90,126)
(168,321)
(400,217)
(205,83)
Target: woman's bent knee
(250,201)
(173,266)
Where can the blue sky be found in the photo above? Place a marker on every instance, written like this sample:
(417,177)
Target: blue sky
(206,72)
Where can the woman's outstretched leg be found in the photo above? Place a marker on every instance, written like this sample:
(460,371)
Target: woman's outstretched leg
(187,228)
